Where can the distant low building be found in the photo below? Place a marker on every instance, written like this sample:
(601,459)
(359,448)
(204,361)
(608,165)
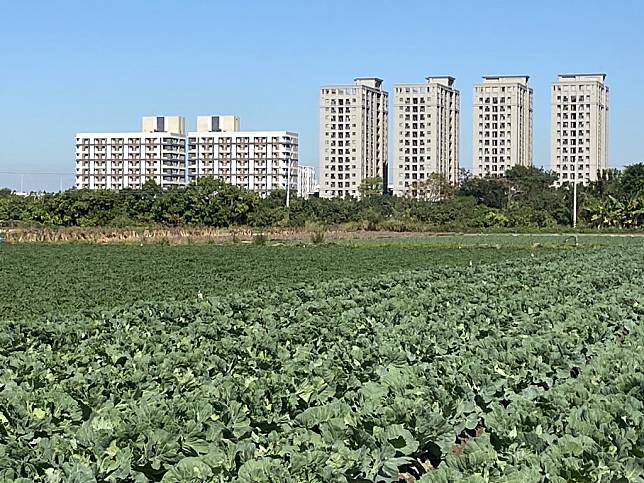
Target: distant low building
(258,161)
(306,181)
(130,159)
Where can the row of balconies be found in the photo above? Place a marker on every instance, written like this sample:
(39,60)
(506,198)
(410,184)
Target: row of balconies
(494,134)
(495,142)
(573,107)
(573,159)
(580,167)
(574,133)
(230,146)
(342,176)
(495,100)
(494,159)
(493,109)
(413,150)
(414,142)
(120,142)
(241,140)
(341,184)
(238,166)
(566,150)
(118,150)
(416,117)
(572,98)
(419,166)
(138,159)
(573,141)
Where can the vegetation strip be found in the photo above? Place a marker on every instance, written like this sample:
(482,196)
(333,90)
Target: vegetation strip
(525,198)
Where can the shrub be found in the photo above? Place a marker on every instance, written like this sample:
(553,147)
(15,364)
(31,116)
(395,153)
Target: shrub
(260,239)
(317,237)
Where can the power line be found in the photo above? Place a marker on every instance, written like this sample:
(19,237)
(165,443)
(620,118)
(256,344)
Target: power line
(37,173)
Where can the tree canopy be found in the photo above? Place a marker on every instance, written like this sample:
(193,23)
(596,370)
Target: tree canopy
(526,198)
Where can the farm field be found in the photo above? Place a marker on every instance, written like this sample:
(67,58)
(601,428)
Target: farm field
(493,360)
(40,279)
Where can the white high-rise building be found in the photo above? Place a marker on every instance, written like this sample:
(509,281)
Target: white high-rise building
(306,181)
(502,125)
(130,159)
(353,136)
(258,161)
(426,134)
(579,127)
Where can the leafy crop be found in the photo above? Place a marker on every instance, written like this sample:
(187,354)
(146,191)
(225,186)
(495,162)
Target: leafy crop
(525,371)
(39,279)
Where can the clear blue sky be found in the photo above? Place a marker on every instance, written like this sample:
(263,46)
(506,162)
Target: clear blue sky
(70,66)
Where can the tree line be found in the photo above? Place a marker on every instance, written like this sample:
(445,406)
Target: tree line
(525,198)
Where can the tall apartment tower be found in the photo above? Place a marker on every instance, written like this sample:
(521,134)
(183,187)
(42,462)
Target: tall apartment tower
(426,134)
(258,161)
(579,127)
(130,159)
(353,136)
(502,127)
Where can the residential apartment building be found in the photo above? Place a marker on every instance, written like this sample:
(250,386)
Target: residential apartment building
(353,136)
(502,125)
(258,161)
(426,134)
(306,181)
(579,127)
(130,159)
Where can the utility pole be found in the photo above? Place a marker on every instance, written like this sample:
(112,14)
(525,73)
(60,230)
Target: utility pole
(574,203)
(288,184)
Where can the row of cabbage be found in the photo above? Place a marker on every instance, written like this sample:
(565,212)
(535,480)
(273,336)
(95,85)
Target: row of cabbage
(519,372)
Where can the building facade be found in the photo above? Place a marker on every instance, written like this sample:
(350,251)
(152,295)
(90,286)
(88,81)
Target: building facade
(258,161)
(579,127)
(306,182)
(130,159)
(426,134)
(353,136)
(502,125)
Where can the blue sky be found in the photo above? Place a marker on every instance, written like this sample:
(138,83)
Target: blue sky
(70,66)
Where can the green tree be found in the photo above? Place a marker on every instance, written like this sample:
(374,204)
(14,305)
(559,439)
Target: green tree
(528,181)
(631,182)
(435,187)
(607,183)
(211,202)
(371,187)
(491,192)
(271,211)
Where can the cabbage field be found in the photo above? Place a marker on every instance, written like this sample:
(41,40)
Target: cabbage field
(40,279)
(530,369)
